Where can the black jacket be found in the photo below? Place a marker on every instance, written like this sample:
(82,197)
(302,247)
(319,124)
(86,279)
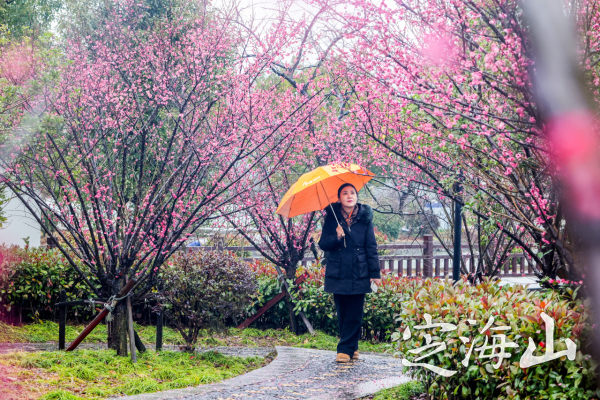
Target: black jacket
(349,269)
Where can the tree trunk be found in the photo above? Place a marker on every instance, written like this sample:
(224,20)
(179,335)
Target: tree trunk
(117,328)
(120,323)
(292,315)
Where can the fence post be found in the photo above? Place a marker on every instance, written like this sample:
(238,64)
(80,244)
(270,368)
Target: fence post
(522,265)
(62,320)
(457,230)
(427,256)
(159,331)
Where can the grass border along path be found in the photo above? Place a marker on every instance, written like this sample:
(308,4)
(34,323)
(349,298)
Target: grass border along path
(47,331)
(413,390)
(94,374)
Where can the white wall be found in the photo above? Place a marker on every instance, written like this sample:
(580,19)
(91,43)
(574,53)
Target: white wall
(20,224)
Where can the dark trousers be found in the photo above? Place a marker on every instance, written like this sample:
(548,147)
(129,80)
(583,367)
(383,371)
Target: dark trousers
(350,314)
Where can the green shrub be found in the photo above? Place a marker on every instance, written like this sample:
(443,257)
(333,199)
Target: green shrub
(204,289)
(403,302)
(510,306)
(268,286)
(31,279)
(319,307)
(379,309)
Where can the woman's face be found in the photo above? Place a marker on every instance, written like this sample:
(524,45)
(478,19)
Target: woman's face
(348,197)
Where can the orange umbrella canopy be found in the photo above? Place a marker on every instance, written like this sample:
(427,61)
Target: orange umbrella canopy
(318,188)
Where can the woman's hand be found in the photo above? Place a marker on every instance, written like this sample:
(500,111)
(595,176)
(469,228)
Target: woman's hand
(340,232)
(377,281)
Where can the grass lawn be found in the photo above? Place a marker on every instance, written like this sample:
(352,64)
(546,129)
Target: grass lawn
(407,391)
(273,337)
(92,374)
(47,331)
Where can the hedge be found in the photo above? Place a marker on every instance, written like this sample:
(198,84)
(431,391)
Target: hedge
(511,306)
(31,280)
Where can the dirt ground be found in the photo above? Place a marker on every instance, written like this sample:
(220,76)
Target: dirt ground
(12,381)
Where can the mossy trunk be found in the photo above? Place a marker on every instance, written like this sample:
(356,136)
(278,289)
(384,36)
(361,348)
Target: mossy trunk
(292,316)
(117,328)
(121,328)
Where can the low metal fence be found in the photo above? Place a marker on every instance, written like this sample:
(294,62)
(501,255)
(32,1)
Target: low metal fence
(423,262)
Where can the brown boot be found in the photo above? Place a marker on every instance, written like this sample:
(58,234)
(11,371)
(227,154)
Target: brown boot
(342,358)
(355,355)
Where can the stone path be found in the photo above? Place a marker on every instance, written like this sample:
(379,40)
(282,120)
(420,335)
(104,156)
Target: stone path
(237,351)
(299,373)
(296,373)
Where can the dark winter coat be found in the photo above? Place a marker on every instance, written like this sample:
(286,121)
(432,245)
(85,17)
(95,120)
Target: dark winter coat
(348,270)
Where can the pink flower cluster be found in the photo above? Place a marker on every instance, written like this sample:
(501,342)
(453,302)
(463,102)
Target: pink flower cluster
(564,282)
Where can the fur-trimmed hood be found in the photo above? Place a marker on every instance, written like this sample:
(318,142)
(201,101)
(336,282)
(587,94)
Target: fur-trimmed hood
(351,261)
(365,212)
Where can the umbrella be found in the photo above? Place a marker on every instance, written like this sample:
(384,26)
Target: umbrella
(316,189)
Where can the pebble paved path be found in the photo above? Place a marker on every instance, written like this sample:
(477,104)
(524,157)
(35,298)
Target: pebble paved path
(299,373)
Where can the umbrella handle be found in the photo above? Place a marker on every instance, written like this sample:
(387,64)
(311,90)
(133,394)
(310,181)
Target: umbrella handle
(333,211)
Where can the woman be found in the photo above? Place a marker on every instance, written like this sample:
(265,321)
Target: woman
(352,264)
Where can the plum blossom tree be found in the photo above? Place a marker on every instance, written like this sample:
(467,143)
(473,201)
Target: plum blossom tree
(303,69)
(443,87)
(147,135)
(280,240)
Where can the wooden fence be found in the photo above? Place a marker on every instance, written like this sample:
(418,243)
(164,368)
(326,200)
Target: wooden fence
(414,260)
